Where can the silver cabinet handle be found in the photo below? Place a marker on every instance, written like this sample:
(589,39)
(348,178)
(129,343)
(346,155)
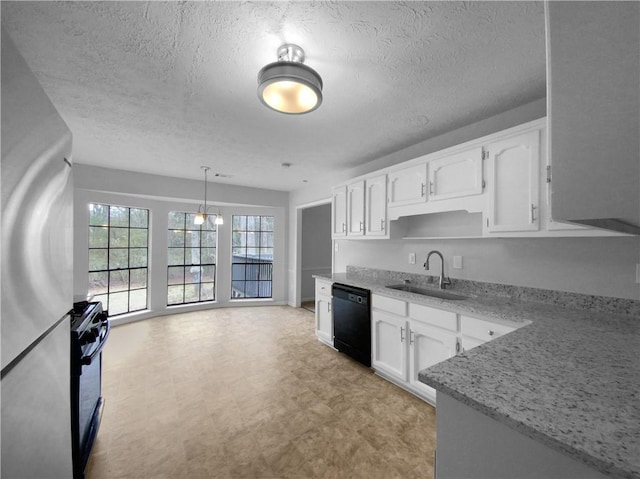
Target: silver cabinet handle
(361,226)
(431,188)
(344,227)
(401,334)
(411,336)
(328,307)
(382,224)
(533,213)
(422,187)
(490,333)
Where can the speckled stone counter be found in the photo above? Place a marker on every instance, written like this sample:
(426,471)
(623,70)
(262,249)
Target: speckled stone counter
(569,378)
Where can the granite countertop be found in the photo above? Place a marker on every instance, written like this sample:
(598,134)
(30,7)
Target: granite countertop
(569,378)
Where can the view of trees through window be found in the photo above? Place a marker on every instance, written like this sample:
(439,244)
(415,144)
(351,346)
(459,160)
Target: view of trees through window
(118,257)
(191,259)
(252,263)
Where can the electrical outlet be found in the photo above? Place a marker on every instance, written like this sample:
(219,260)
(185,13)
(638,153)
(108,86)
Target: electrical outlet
(457,262)
(412,258)
(638,273)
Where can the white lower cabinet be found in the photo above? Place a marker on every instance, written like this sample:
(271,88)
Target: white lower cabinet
(324,318)
(428,345)
(474,331)
(403,345)
(389,346)
(409,337)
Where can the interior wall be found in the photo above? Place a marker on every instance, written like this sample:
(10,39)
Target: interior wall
(603,266)
(316,247)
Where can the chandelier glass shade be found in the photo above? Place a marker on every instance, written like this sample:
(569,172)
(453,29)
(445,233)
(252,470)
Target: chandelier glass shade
(288,85)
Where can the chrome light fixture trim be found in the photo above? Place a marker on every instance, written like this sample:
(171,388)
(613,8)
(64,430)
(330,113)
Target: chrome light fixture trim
(201,215)
(288,85)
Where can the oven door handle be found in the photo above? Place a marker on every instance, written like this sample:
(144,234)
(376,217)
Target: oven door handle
(88,358)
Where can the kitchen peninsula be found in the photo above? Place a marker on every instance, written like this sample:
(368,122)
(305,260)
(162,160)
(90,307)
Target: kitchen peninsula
(568,381)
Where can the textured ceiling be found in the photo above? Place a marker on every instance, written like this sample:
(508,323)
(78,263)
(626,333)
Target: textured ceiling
(165,87)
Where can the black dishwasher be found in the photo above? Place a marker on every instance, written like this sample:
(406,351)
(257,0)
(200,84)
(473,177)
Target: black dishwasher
(352,322)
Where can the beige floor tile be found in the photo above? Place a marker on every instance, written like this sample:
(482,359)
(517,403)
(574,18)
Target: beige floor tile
(250,392)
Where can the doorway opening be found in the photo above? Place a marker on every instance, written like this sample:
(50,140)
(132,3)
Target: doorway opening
(315,250)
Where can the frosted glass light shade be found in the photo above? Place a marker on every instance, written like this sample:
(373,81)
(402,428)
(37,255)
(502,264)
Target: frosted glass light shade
(290,87)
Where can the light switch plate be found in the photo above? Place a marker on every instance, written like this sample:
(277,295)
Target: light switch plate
(412,258)
(457,262)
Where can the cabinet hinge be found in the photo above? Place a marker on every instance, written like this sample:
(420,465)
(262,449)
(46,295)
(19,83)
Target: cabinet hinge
(548,173)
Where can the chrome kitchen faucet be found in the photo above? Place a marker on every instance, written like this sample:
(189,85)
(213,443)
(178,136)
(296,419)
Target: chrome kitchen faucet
(443,281)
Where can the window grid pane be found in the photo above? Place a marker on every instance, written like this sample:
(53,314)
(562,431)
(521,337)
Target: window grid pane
(252,249)
(118,257)
(191,259)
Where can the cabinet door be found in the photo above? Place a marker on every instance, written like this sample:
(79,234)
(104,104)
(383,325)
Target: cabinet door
(389,344)
(470,342)
(339,212)
(408,185)
(376,206)
(355,209)
(456,175)
(324,319)
(428,345)
(477,331)
(593,55)
(513,183)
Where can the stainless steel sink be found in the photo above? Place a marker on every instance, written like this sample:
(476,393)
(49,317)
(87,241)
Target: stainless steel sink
(436,293)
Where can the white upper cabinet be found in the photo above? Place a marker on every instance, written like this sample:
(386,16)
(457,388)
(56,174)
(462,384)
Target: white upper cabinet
(408,185)
(339,212)
(360,209)
(593,99)
(513,183)
(355,209)
(456,175)
(376,206)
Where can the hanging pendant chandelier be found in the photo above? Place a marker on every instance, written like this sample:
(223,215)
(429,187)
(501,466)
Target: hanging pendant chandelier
(288,85)
(203,210)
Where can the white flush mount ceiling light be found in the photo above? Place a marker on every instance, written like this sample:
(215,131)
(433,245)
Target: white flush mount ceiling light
(288,85)
(201,215)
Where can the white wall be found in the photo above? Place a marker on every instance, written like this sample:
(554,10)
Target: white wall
(316,247)
(160,195)
(599,266)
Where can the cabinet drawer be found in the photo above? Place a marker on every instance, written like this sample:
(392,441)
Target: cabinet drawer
(481,329)
(323,288)
(433,316)
(390,305)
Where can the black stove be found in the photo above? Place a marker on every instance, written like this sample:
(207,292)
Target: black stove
(89,331)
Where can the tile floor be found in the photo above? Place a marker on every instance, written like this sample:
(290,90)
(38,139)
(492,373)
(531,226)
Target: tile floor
(250,392)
